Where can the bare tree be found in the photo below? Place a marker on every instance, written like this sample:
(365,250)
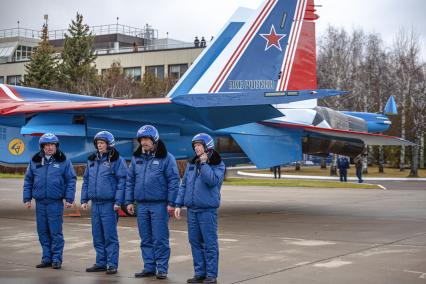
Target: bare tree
(376,81)
(406,58)
(333,64)
(421,103)
(418,107)
(360,63)
(113,83)
(333,69)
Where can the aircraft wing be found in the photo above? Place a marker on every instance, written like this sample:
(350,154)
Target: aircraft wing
(366,138)
(269,143)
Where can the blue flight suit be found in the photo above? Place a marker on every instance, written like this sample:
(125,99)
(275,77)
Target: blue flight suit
(343,165)
(104,183)
(153,182)
(200,193)
(49,181)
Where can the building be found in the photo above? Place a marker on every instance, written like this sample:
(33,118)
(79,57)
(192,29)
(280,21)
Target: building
(138,51)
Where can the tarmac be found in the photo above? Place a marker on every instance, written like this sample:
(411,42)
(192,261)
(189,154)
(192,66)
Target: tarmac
(266,235)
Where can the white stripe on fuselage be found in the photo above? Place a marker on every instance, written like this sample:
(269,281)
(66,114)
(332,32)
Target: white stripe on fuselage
(9,93)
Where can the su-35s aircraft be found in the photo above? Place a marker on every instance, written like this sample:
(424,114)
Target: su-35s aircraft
(253,89)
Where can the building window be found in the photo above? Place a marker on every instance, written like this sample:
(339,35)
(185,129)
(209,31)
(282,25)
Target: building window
(14,80)
(23,53)
(157,71)
(1,80)
(176,71)
(133,72)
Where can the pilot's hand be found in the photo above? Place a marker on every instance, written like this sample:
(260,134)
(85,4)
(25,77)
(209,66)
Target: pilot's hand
(131,209)
(84,206)
(27,204)
(177,213)
(68,205)
(171,210)
(203,158)
(117,207)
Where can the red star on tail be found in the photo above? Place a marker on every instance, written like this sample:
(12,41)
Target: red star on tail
(273,39)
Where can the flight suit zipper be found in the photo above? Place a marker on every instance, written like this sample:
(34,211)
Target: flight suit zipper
(45,181)
(96,180)
(193,183)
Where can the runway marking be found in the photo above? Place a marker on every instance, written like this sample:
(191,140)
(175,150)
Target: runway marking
(180,258)
(72,246)
(19,245)
(309,243)
(125,251)
(381,186)
(228,240)
(333,264)
(179,231)
(303,264)
(378,252)
(422,274)
(19,237)
(251,200)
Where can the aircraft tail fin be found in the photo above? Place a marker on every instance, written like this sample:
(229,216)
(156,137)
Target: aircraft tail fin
(270,49)
(390,107)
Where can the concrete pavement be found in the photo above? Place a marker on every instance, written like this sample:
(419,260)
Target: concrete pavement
(267,235)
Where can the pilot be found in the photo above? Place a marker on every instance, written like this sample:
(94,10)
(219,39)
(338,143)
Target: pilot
(49,179)
(343,165)
(152,182)
(200,193)
(104,183)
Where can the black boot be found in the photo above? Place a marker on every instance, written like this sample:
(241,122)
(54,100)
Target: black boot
(196,279)
(44,265)
(56,265)
(210,280)
(145,274)
(96,268)
(111,270)
(161,275)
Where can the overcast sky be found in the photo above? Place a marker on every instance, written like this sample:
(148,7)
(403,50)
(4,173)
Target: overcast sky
(183,19)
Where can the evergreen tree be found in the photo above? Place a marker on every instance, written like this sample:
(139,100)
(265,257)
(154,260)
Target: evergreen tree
(77,71)
(41,70)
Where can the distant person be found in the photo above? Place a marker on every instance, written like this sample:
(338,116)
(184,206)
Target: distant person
(104,183)
(196,42)
(203,42)
(277,171)
(358,167)
(50,179)
(343,166)
(135,47)
(200,193)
